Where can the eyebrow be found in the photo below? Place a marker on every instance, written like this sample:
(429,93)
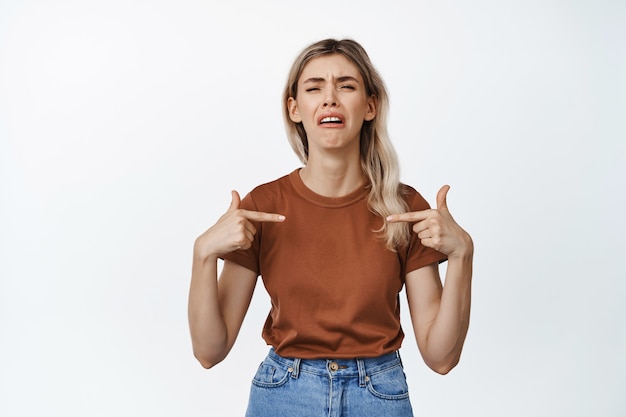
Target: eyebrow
(321,80)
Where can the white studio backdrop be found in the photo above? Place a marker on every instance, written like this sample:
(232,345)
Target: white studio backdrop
(125,124)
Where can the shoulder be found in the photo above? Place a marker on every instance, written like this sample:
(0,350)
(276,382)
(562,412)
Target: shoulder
(268,194)
(413,198)
(272,186)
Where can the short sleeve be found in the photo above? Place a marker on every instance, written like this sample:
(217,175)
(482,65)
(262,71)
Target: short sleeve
(418,255)
(248,258)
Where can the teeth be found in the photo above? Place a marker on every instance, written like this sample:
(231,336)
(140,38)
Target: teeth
(331,120)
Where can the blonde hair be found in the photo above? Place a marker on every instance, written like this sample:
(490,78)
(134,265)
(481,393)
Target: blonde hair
(378,157)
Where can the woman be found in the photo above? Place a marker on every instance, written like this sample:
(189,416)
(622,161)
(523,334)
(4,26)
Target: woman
(334,242)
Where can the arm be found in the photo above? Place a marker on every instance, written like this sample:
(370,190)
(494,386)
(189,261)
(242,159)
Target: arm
(217,308)
(440,314)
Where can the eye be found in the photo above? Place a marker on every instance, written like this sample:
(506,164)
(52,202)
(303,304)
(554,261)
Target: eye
(312,89)
(347,87)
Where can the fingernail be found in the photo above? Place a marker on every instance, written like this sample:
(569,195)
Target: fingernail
(281,218)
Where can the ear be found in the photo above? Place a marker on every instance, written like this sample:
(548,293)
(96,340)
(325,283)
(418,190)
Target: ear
(372,105)
(294,114)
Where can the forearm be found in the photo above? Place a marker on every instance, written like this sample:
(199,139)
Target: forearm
(448,330)
(206,324)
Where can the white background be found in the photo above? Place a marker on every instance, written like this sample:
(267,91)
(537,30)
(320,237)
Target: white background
(125,124)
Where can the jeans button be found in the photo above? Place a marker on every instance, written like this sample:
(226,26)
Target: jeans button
(334,366)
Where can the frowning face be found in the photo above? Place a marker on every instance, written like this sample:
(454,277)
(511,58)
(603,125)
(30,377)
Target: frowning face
(332,104)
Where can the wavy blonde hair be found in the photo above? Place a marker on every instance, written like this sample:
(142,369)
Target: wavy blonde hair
(378,157)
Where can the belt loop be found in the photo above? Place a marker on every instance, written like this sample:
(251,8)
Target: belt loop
(361,365)
(296,368)
(400,358)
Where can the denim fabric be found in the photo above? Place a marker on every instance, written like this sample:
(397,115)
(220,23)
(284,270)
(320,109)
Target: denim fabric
(287,387)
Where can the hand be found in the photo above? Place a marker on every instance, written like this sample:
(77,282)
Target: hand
(437,229)
(233,231)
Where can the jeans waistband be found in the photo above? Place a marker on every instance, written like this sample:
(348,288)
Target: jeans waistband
(336,368)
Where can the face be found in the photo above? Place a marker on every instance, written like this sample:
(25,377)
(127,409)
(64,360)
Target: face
(332,103)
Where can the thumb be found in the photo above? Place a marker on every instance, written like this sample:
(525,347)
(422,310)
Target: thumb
(441,198)
(235,202)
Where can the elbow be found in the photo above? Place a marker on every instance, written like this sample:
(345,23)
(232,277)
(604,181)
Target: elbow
(209,352)
(207,364)
(208,361)
(442,370)
(444,367)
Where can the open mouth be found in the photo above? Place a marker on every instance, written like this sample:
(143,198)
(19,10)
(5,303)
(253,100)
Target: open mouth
(331,120)
(326,120)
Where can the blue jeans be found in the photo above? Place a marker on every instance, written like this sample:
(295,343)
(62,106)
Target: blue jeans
(287,387)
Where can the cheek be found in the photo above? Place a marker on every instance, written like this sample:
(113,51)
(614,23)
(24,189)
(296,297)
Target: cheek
(307,107)
(307,113)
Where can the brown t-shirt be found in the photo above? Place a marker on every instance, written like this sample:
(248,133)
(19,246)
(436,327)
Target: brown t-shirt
(334,287)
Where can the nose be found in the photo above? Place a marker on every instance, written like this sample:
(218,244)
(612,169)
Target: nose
(330,99)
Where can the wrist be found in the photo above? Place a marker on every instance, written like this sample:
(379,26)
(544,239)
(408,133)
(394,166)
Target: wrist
(202,254)
(465,252)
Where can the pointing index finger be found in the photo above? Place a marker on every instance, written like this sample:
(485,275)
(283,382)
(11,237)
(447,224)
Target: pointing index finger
(413,216)
(259,216)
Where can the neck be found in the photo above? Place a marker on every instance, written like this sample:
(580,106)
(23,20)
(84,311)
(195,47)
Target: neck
(332,177)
